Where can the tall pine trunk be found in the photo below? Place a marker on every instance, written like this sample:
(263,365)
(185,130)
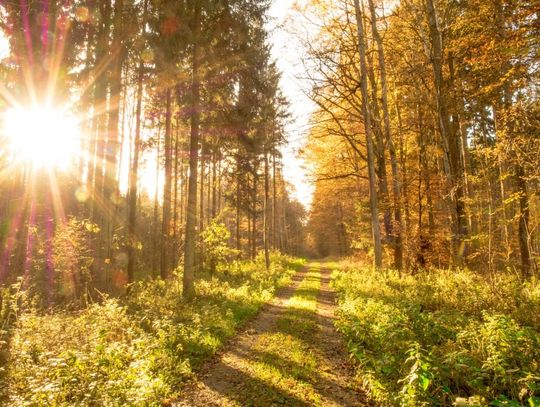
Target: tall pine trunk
(110,183)
(156,240)
(134,176)
(265,212)
(166,219)
(191,218)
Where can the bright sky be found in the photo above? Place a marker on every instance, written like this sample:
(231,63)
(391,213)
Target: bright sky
(287,51)
(4,46)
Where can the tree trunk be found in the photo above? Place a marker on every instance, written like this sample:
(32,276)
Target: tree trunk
(377,247)
(265,212)
(166,219)
(396,185)
(380,150)
(155,257)
(213,213)
(274,201)
(238,246)
(191,218)
(201,185)
(524,236)
(100,104)
(254,216)
(134,176)
(175,199)
(450,139)
(110,187)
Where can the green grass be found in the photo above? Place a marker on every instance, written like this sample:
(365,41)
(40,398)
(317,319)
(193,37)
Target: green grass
(442,337)
(283,365)
(139,350)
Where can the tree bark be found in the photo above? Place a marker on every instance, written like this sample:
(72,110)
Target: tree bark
(175,199)
(524,235)
(166,219)
(134,175)
(155,257)
(191,217)
(450,138)
(396,184)
(238,246)
(100,105)
(274,201)
(265,212)
(377,247)
(110,186)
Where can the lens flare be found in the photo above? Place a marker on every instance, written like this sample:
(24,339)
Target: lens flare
(43,137)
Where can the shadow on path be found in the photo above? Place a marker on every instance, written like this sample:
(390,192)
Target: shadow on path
(239,376)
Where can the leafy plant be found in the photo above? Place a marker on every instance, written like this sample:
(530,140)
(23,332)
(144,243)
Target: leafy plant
(215,240)
(442,337)
(138,350)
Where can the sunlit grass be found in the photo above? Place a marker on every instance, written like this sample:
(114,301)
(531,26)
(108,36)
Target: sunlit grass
(284,366)
(138,350)
(442,337)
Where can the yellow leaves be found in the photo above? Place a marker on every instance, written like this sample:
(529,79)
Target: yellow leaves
(92,227)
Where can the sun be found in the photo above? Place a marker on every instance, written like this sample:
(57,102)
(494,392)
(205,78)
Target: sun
(41,136)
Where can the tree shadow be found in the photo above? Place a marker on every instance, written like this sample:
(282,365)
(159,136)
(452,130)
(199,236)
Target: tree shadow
(323,386)
(251,391)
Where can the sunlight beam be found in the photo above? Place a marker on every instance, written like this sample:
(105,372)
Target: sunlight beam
(42,137)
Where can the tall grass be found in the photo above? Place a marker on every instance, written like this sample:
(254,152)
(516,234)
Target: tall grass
(442,337)
(137,350)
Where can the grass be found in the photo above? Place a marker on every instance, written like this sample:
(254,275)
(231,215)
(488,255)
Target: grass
(139,350)
(442,337)
(283,366)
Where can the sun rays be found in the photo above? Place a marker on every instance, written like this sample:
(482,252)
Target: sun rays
(43,137)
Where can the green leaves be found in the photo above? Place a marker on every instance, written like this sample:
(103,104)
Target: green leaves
(215,241)
(442,337)
(134,352)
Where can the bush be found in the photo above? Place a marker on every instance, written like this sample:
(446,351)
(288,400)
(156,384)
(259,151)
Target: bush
(137,351)
(11,299)
(215,241)
(442,337)
(73,258)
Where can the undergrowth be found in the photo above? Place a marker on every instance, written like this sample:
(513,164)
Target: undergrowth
(137,350)
(442,337)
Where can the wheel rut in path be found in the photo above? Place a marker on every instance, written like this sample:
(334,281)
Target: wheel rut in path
(332,350)
(289,355)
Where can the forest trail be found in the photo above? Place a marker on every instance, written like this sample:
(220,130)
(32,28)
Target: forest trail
(290,354)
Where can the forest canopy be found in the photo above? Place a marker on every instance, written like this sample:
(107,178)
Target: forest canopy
(425,138)
(128,129)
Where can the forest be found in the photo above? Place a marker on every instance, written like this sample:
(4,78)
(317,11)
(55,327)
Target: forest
(154,247)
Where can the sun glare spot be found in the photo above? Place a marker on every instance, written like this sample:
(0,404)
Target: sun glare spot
(42,137)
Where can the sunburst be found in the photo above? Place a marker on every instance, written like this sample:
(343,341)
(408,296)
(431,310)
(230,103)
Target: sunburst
(42,136)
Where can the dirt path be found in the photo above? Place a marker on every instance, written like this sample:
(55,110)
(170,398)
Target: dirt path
(289,355)
(332,350)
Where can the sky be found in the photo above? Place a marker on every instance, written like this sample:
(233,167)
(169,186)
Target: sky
(287,52)
(4,46)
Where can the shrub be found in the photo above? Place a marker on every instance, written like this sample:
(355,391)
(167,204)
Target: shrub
(215,240)
(442,337)
(138,350)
